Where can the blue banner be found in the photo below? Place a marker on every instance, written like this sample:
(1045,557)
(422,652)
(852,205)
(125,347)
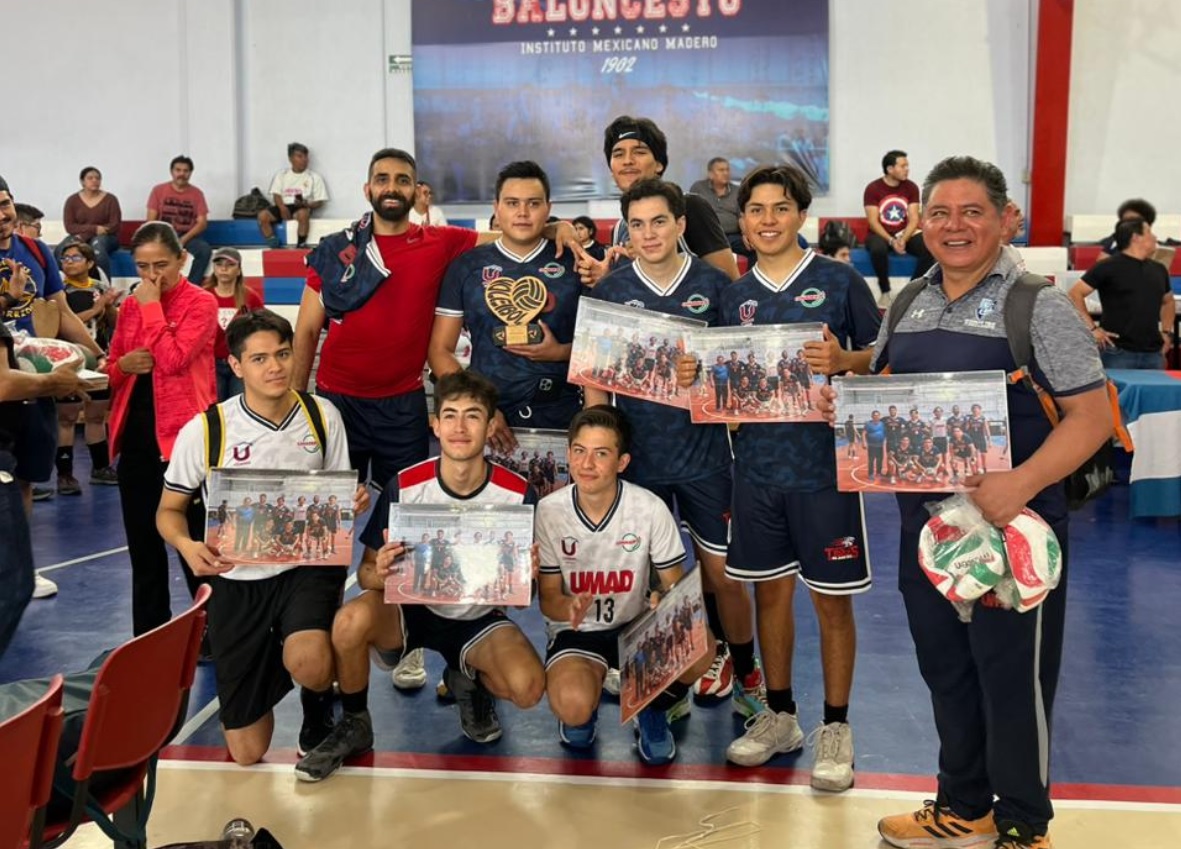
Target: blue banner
(501,80)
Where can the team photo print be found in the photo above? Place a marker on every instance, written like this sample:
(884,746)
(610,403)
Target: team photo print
(462,554)
(755,374)
(661,644)
(540,458)
(920,433)
(630,351)
(261,518)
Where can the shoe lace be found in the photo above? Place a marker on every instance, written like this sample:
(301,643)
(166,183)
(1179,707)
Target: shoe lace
(762,724)
(826,739)
(715,668)
(929,811)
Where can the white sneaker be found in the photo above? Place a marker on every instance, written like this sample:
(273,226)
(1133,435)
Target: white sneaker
(884,300)
(833,768)
(767,734)
(43,587)
(410,674)
(611,682)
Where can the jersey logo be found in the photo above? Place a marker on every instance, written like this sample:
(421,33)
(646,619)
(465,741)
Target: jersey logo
(553,270)
(892,210)
(696,304)
(638,304)
(811,298)
(986,307)
(917,314)
(491,272)
(629,542)
(746,311)
(241,452)
(309,444)
(569,546)
(602,583)
(845,548)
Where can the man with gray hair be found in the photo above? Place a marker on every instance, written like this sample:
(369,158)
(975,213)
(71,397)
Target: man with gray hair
(992,681)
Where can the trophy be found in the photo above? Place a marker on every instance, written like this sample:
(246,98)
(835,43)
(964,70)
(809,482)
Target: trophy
(516,303)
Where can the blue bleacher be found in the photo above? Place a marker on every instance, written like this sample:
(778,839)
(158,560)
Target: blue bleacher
(900,266)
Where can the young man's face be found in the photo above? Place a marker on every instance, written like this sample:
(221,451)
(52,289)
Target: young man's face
(522,209)
(181,173)
(771,220)
(900,170)
(595,461)
(299,161)
(632,161)
(582,232)
(461,426)
(390,190)
(264,366)
(653,229)
(843,254)
(7,217)
(29,229)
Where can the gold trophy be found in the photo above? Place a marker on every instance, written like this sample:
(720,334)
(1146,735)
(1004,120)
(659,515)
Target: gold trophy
(516,303)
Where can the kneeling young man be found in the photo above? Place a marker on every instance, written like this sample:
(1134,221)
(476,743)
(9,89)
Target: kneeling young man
(599,540)
(487,655)
(267,624)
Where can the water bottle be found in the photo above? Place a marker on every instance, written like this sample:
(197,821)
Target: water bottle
(238,834)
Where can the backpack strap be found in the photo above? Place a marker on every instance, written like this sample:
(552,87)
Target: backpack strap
(215,436)
(899,307)
(311,409)
(35,250)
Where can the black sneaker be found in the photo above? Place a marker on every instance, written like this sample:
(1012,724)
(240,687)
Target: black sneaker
(353,735)
(314,731)
(477,707)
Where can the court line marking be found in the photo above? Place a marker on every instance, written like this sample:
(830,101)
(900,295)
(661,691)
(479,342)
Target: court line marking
(77,560)
(196,721)
(662,783)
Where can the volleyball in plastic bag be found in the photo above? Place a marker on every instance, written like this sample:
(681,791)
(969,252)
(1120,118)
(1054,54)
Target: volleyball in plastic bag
(961,554)
(1034,558)
(45,355)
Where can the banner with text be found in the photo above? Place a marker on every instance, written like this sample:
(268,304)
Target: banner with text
(502,80)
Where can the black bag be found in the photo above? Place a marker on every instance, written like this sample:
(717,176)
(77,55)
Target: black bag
(249,206)
(1092,478)
(836,232)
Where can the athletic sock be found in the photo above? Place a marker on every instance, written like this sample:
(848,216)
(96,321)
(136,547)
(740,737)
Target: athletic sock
(781,701)
(743,656)
(315,705)
(833,713)
(65,460)
(357,702)
(100,455)
(669,696)
(714,618)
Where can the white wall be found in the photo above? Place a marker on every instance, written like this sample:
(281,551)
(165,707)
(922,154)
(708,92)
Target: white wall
(1124,122)
(230,82)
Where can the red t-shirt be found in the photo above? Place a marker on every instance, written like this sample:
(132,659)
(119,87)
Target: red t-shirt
(893,202)
(379,350)
(180,209)
(226,310)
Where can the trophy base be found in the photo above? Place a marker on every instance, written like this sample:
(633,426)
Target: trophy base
(517,334)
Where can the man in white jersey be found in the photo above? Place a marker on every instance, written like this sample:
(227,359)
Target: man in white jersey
(267,624)
(599,540)
(487,655)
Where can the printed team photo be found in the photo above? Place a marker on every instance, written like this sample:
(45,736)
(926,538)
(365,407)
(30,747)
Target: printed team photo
(660,645)
(630,351)
(462,554)
(755,374)
(276,518)
(920,433)
(540,458)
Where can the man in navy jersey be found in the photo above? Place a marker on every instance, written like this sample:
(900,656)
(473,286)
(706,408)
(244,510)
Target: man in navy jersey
(788,518)
(531,379)
(686,464)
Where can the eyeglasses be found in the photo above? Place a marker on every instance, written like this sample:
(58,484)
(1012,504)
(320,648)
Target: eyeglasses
(73,258)
(32,225)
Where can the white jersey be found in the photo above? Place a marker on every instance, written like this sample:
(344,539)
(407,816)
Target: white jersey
(435,217)
(252,442)
(306,184)
(611,560)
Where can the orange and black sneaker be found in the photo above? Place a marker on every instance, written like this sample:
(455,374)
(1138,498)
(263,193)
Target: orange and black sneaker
(1013,835)
(936,826)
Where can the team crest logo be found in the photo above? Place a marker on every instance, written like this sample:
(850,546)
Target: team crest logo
(746,311)
(634,303)
(696,304)
(892,210)
(569,546)
(845,548)
(349,273)
(241,452)
(986,308)
(629,542)
(811,298)
(309,444)
(491,272)
(552,270)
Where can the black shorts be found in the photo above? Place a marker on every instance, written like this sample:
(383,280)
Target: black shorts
(386,435)
(452,638)
(703,506)
(819,536)
(298,526)
(980,440)
(248,621)
(36,444)
(940,443)
(601,647)
(278,216)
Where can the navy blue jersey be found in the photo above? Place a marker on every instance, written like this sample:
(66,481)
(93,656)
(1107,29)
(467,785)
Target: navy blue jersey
(666,446)
(462,296)
(798,456)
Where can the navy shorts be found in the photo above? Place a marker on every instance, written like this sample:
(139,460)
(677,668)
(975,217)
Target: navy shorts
(385,435)
(601,647)
(780,533)
(452,638)
(36,444)
(703,506)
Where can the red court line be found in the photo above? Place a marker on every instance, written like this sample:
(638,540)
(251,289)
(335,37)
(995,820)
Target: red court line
(676,772)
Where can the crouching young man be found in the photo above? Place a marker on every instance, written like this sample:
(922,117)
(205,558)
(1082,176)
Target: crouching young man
(487,655)
(599,540)
(267,624)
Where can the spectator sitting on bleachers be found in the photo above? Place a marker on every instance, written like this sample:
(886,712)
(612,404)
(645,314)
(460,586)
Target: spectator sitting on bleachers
(228,285)
(892,212)
(296,192)
(1017,227)
(93,216)
(422,213)
(182,205)
(1137,300)
(835,247)
(723,197)
(585,228)
(1129,209)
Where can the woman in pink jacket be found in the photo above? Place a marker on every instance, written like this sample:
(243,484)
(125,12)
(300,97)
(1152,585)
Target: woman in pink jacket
(161,369)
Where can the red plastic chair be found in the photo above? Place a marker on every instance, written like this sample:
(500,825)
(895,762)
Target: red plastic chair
(29,743)
(137,705)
